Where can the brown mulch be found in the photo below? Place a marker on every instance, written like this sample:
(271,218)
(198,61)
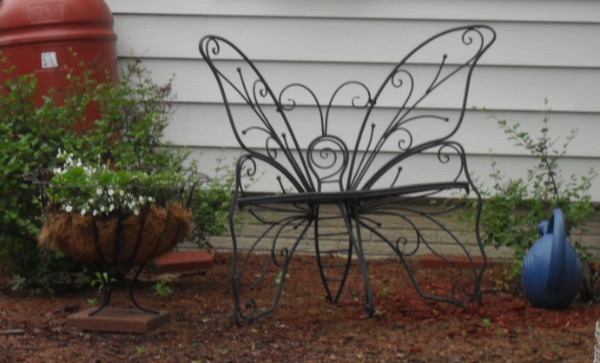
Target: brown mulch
(305,327)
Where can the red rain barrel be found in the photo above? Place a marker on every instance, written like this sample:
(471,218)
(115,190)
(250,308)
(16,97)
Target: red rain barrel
(50,37)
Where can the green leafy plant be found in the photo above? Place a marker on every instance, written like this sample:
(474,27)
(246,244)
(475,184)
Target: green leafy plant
(133,112)
(514,207)
(19,283)
(101,279)
(280,277)
(162,290)
(486,323)
(124,137)
(92,301)
(211,204)
(100,190)
(26,142)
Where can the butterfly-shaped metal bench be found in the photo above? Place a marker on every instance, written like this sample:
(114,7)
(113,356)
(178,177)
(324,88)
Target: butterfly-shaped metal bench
(363,164)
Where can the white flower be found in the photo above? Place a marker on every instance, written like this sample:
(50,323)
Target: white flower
(68,208)
(111,192)
(121,192)
(94,213)
(99,191)
(102,209)
(136,212)
(83,212)
(111,208)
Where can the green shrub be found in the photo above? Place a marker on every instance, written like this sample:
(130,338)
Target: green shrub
(128,134)
(30,136)
(211,204)
(162,290)
(513,208)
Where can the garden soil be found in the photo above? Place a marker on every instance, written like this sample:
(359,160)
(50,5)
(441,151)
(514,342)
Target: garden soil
(305,327)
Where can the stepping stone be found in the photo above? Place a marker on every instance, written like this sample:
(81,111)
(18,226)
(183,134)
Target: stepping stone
(184,261)
(118,320)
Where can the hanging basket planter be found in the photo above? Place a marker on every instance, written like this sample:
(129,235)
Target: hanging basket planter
(107,216)
(118,239)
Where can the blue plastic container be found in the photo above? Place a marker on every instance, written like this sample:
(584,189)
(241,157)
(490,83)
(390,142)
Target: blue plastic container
(551,269)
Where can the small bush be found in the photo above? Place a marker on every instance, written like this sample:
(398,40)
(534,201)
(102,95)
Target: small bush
(133,113)
(513,208)
(211,204)
(30,135)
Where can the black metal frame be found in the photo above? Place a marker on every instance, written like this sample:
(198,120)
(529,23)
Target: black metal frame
(364,180)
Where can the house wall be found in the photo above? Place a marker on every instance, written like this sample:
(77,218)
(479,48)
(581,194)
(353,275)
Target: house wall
(544,50)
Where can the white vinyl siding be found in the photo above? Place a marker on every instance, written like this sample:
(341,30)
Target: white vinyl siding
(544,49)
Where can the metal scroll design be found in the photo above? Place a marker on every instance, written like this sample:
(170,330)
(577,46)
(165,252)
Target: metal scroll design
(294,141)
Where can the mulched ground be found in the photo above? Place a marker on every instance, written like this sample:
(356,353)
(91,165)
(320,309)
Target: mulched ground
(305,327)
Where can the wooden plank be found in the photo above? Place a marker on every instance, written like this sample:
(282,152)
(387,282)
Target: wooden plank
(490,10)
(327,40)
(207,125)
(479,167)
(497,88)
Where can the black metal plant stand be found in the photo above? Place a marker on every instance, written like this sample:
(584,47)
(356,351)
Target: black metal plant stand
(181,193)
(107,293)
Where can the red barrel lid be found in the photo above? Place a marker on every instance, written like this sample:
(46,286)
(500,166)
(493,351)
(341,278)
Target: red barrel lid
(33,21)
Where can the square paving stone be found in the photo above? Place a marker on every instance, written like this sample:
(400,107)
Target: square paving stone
(184,261)
(118,320)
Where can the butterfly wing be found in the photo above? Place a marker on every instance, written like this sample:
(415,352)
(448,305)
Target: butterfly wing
(409,112)
(419,227)
(256,114)
(406,153)
(289,155)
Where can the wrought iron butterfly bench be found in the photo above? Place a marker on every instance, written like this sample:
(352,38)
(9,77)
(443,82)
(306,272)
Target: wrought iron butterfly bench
(363,164)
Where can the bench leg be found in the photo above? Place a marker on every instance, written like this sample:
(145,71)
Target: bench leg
(247,282)
(350,216)
(333,274)
(458,290)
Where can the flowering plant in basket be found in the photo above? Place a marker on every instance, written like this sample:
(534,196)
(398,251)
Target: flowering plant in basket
(99,214)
